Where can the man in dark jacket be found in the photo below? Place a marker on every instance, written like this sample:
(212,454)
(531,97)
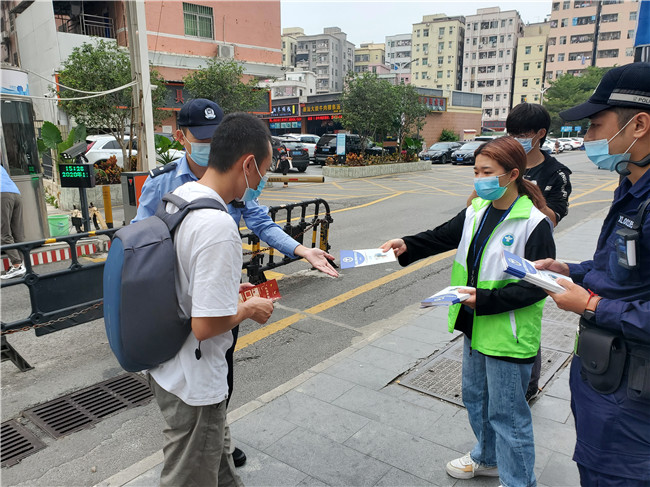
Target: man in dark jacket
(612,291)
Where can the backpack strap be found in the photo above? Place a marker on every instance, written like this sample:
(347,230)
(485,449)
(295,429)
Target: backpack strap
(172,220)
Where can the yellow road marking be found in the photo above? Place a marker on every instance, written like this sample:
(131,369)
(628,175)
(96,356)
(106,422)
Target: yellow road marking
(336,184)
(437,189)
(597,188)
(590,202)
(257,335)
(379,185)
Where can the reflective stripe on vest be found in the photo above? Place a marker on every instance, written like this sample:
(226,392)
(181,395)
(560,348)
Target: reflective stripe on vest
(516,333)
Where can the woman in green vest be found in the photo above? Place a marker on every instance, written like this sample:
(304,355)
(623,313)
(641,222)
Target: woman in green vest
(501,319)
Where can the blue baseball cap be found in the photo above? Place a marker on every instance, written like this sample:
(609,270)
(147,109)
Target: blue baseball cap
(626,86)
(201,117)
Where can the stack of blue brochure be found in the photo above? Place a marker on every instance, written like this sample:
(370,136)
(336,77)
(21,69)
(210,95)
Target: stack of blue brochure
(524,269)
(448,296)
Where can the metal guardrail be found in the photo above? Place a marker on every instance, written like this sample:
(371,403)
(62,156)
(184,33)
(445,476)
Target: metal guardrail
(74,295)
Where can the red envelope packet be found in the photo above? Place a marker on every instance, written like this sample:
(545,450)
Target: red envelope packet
(268,289)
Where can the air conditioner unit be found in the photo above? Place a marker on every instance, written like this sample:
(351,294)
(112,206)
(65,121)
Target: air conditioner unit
(226,51)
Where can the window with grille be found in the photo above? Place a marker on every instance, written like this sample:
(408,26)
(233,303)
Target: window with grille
(198,20)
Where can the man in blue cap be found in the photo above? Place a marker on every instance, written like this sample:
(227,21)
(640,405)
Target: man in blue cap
(610,379)
(197,121)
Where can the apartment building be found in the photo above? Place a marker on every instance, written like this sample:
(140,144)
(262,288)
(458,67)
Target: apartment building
(369,57)
(590,33)
(182,37)
(290,45)
(296,84)
(398,57)
(491,38)
(330,55)
(437,52)
(528,81)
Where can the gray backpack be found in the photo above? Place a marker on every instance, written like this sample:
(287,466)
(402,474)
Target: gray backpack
(143,321)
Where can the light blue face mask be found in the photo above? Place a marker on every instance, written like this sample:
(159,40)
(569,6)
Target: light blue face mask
(598,153)
(526,143)
(250,194)
(200,153)
(489,188)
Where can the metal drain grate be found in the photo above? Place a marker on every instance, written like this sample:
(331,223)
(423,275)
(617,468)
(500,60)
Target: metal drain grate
(17,443)
(81,409)
(442,376)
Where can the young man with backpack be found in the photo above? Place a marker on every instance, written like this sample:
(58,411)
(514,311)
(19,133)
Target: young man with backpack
(192,388)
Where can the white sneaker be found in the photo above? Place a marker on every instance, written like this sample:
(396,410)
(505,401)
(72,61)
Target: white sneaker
(13,272)
(466,468)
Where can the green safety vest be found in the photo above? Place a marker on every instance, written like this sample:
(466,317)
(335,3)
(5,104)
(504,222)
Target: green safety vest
(516,333)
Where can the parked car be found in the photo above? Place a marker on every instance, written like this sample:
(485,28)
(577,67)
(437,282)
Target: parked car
(549,146)
(102,147)
(569,144)
(465,154)
(440,152)
(581,141)
(308,140)
(297,153)
(326,146)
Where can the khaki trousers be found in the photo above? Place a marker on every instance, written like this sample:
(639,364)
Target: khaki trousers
(197,446)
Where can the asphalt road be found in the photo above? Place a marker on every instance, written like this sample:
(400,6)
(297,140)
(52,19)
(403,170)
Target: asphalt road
(317,317)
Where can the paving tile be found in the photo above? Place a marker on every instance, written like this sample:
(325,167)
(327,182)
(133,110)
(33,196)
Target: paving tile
(414,397)
(553,408)
(454,431)
(432,318)
(542,457)
(261,470)
(325,387)
(151,478)
(478,482)
(559,388)
(361,373)
(385,359)
(311,482)
(319,417)
(415,349)
(260,428)
(396,477)
(326,460)
(407,452)
(555,436)
(560,471)
(399,414)
(438,336)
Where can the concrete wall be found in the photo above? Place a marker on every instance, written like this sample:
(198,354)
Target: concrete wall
(70,196)
(375,170)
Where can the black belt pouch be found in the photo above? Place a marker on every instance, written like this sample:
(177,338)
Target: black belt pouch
(602,355)
(638,381)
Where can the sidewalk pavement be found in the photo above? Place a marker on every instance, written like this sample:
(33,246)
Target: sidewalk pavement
(349,422)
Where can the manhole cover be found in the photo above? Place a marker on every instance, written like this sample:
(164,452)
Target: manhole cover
(86,407)
(442,376)
(17,443)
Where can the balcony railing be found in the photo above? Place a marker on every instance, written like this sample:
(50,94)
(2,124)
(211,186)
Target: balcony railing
(89,25)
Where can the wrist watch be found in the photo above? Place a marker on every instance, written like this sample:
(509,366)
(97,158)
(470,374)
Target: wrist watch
(589,313)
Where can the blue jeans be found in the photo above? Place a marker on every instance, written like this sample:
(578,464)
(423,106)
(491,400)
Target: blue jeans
(494,393)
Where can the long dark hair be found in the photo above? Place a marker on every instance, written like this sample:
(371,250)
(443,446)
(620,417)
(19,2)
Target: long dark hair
(510,155)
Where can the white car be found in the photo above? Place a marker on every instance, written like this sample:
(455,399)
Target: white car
(102,147)
(549,146)
(308,140)
(569,143)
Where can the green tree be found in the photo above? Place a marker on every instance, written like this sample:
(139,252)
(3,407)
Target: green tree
(448,135)
(411,112)
(568,91)
(103,66)
(369,106)
(221,81)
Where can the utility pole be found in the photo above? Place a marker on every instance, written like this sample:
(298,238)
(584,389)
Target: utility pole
(142,104)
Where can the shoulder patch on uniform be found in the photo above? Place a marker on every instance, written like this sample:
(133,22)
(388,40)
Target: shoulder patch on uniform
(162,169)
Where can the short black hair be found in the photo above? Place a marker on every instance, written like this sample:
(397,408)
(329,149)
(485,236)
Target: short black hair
(238,134)
(528,117)
(625,114)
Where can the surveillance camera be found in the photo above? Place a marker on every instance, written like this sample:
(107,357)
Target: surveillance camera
(75,151)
